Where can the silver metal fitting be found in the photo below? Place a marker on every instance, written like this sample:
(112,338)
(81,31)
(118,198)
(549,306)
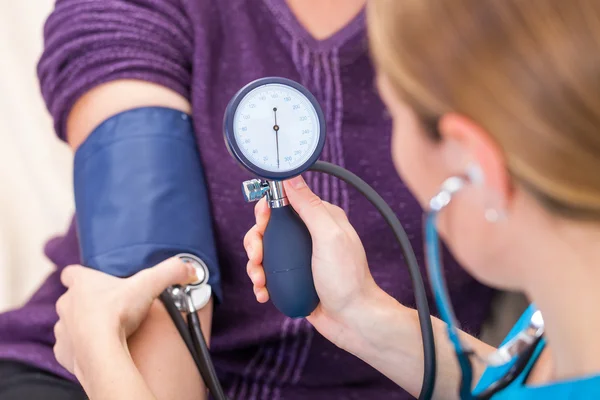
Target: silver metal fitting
(276,196)
(256,189)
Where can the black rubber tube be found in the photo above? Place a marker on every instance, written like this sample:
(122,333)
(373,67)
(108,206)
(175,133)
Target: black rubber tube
(422,305)
(196,344)
(209,375)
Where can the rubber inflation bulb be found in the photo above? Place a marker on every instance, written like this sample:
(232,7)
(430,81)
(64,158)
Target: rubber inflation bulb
(287,261)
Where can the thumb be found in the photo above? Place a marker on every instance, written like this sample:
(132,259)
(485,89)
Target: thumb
(308,205)
(155,280)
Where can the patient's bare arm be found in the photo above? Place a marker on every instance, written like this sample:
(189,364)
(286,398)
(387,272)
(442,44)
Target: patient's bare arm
(163,359)
(156,348)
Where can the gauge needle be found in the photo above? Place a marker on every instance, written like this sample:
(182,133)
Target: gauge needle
(276,129)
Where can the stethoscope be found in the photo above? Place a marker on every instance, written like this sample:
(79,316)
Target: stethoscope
(275,129)
(519,349)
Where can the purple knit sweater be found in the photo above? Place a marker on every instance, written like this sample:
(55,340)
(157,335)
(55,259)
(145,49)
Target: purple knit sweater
(206,50)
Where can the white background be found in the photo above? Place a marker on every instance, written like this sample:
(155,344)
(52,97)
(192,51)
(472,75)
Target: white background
(35,177)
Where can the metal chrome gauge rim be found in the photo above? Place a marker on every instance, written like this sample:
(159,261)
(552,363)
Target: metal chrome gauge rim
(302,153)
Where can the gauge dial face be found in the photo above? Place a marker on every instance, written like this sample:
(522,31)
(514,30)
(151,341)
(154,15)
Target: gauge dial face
(276,128)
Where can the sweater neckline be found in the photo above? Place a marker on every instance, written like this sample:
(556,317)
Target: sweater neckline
(288,21)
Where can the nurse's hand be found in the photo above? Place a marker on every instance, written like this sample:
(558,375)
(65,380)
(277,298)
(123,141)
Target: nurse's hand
(99,312)
(339,264)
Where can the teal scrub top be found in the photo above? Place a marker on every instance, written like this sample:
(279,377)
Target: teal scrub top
(582,388)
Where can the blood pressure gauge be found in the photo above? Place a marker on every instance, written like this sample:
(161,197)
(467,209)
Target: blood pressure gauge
(275,128)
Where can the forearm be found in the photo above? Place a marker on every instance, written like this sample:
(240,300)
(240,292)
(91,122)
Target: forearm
(163,359)
(155,364)
(109,373)
(387,336)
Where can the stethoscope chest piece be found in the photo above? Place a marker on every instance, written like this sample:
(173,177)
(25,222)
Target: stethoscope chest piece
(196,295)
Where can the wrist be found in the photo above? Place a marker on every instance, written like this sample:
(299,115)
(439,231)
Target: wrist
(111,373)
(92,358)
(372,323)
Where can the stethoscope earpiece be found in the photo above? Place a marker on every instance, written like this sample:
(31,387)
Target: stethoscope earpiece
(474,174)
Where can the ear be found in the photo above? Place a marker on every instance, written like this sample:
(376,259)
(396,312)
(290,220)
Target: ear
(467,143)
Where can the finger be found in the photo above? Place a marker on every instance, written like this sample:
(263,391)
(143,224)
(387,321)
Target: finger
(59,354)
(256,273)
(61,347)
(254,246)
(62,355)
(60,305)
(261,294)
(336,212)
(340,217)
(68,275)
(262,212)
(308,205)
(249,236)
(57,330)
(173,271)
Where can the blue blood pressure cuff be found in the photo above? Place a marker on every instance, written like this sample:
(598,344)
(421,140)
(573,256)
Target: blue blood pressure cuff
(141,195)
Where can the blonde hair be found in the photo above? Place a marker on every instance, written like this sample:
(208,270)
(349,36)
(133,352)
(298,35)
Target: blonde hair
(527,71)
